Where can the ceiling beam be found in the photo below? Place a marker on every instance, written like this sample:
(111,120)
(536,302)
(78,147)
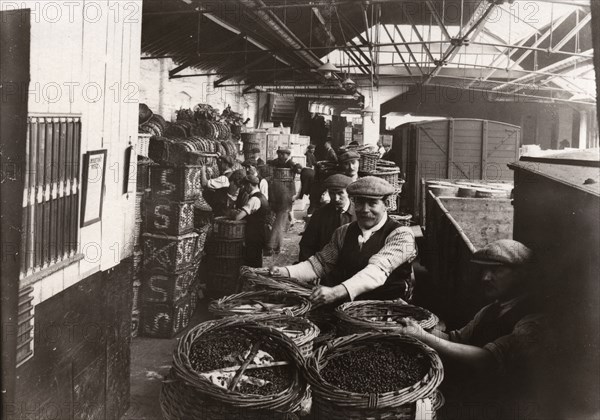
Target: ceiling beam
(416,31)
(539,41)
(397,51)
(410,53)
(471,29)
(438,18)
(242,70)
(571,33)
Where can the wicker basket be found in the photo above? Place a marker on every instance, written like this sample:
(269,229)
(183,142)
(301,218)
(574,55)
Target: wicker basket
(170,217)
(229,305)
(225,265)
(143,174)
(162,287)
(258,279)
(187,395)
(391,201)
(224,228)
(307,330)
(142,144)
(283,174)
(368,162)
(165,320)
(391,175)
(225,248)
(203,233)
(170,253)
(203,213)
(176,183)
(327,323)
(380,315)
(330,402)
(403,219)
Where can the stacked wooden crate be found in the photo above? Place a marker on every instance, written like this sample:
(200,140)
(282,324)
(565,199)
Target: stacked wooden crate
(172,250)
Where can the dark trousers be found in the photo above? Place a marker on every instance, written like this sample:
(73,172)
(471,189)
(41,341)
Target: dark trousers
(254,254)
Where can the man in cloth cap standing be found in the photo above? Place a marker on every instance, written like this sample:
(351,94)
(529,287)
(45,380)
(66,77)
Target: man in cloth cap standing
(281,199)
(349,163)
(366,259)
(255,212)
(325,220)
(496,355)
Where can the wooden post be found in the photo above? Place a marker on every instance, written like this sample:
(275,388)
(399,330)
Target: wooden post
(450,150)
(484,148)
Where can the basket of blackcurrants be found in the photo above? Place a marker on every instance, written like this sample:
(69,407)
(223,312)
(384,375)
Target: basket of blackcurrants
(374,375)
(235,368)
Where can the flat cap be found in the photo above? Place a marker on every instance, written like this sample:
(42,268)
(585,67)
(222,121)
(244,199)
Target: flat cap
(337,182)
(250,162)
(311,147)
(229,160)
(370,187)
(251,179)
(255,150)
(284,150)
(503,252)
(350,155)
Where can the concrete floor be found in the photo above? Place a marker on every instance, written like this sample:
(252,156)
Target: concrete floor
(151,358)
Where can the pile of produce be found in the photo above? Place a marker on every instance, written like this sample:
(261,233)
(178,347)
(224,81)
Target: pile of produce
(254,303)
(376,369)
(220,355)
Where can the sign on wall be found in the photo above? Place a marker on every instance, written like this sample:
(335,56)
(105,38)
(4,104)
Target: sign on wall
(94,169)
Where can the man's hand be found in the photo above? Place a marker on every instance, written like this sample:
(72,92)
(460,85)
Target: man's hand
(279,272)
(323,295)
(411,327)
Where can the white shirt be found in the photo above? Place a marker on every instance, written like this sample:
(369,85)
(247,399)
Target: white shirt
(220,181)
(367,233)
(264,188)
(253,203)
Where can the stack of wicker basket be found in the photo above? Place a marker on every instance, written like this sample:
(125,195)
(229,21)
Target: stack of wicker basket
(224,256)
(386,170)
(252,141)
(172,251)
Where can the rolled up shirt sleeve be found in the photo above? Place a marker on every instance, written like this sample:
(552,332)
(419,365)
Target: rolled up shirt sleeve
(218,182)
(323,261)
(251,206)
(398,249)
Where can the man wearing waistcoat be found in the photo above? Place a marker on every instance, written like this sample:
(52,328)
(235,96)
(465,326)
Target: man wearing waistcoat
(495,360)
(255,212)
(366,259)
(216,190)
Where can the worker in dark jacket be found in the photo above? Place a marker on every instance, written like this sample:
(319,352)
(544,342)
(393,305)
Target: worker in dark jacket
(493,359)
(311,160)
(281,199)
(349,162)
(215,190)
(366,259)
(255,212)
(325,220)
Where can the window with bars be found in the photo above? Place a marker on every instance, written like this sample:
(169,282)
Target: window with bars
(51,196)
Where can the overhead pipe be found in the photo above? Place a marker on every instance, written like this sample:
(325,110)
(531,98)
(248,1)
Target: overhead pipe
(275,24)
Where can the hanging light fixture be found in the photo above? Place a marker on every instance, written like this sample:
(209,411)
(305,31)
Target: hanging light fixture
(327,70)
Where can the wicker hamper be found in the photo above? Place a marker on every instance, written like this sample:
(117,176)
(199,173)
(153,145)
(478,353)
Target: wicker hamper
(224,228)
(333,403)
(254,303)
(163,287)
(170,217)
(380,315)
(171,253)
(188,395)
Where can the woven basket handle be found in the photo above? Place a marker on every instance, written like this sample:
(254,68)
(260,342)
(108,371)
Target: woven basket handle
(424,409)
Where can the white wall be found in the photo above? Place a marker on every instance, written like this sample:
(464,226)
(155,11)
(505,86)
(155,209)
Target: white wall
(165,96)
(85,59)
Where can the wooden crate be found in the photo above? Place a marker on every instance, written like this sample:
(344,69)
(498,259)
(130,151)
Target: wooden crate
(169,217)
(163,320)
(171,253)
(180,183)
(163,287)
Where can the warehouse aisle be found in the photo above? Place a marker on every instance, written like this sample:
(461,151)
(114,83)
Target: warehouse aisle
(151,357)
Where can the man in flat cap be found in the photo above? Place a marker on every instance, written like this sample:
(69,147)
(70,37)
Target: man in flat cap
(366,259)
(215,190)
(281,199)
(311,160)
(255,212)
(251,167)
(349,163)
(325,220)
(495,354)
